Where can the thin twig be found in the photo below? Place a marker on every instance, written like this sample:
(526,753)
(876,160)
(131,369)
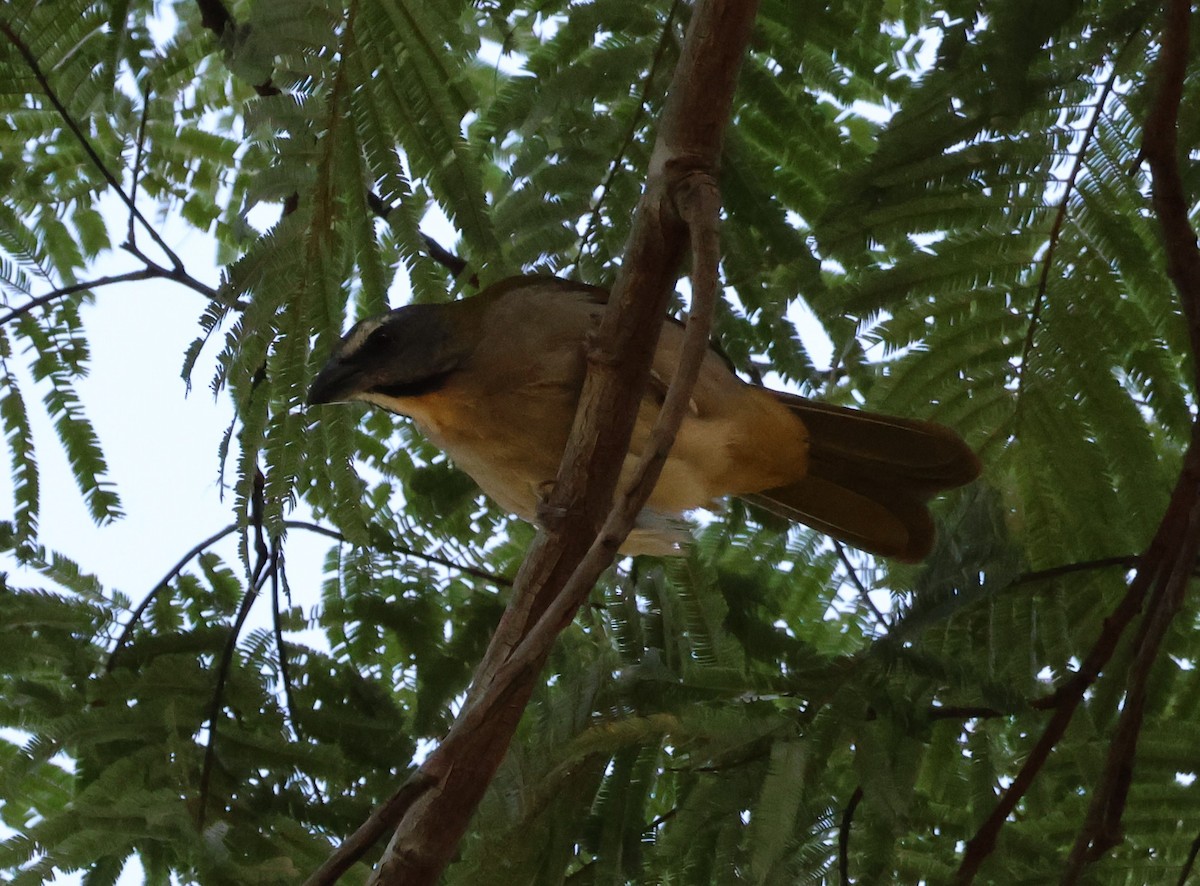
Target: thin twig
(36,69)
(130,234)
(278,580)
(844,835)
(1128,561)
(1186,871)
(214,709)
(403,551)
(158,588)
(215,16)
(447,259)
(864,595)
(285,676)
(439,253)
(615,167)
(966,712)
(1056,230)
(63,291)
(264,567)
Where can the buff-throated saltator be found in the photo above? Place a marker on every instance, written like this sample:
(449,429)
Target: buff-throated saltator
(494,381)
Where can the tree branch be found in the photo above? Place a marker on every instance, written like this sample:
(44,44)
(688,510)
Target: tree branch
(63,291)
(439,253)
(1165,567)
(680,186)
(863,594)
(214,709)
(1066,699)
(844,835)
(1186,870)
(158,588)
(615,166)
(1102,829)
(31,61)
(1056,229)
(968,712)
(150,272)
(216,17)
(403,551)
(1128,561)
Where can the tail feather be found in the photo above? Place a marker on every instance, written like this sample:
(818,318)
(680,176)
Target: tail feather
(869,477)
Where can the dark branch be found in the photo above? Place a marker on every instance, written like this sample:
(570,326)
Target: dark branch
(265,565)
(439,253)
(382,819)
(1060,217)
(1186,872)
(863,594)
(131,232)
(31,61)
(1128,561)
(403,551)
(965,712)
(1164,569)
(216,17)
(277,579)
(444,257)
(1102,829)
(844,835)
(376,205)
(150,272)
(63,291)
(214,709)
(615,167)
(158,588)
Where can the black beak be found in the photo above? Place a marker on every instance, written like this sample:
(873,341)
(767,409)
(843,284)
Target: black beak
(336,383)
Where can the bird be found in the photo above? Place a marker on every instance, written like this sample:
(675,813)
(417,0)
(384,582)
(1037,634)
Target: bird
(493,380)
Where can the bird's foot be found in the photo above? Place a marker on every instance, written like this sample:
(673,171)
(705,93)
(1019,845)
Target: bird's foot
(548,515)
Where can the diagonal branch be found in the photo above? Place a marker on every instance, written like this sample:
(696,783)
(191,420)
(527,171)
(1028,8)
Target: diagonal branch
(863,593)
(615,167)
(681,188)
(844,835)
(36,69)
(137,613)
(135,173)
(262,573)
(1186,871)
(1102,829)
(1164,569)
(1056,231)
(699,209)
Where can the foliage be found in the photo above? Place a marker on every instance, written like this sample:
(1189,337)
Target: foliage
(951,188)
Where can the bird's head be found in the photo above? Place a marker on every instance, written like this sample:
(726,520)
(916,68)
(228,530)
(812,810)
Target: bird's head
(404,353)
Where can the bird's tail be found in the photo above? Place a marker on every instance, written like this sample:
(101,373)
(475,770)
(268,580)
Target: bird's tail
(869,477)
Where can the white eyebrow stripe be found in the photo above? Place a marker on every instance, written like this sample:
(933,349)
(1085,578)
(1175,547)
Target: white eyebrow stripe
(359,334)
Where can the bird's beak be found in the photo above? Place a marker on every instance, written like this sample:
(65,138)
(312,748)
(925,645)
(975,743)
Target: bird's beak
(338,382)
